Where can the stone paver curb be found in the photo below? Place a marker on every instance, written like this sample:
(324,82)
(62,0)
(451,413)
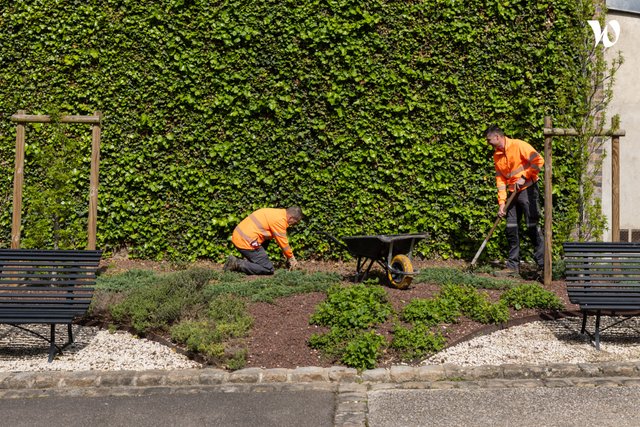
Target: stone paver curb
(351,387)
(403,376)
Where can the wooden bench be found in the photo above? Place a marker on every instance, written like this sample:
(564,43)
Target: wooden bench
(46,287)
(603,279)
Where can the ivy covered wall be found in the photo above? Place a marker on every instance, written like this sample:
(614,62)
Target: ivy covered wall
(366,114)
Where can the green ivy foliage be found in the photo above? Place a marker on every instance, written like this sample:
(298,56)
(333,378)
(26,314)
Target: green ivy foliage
(367,114)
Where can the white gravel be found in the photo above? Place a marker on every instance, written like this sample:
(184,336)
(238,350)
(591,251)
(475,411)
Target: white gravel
(557,341)
(93,349)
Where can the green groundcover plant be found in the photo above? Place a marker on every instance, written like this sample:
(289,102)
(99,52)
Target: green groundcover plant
(206,311)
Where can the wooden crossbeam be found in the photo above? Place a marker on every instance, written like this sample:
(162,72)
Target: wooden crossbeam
(547,131)
(41,118)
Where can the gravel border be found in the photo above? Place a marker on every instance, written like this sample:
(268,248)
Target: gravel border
(93,349)
(549,341)
(536,343)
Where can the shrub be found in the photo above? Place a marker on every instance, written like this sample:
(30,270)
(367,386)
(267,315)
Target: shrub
(363,351)
(531,296)
(199,336)
(452,302)
(476,305)
(158,305)
(225,320)
(353,307)
(348,311)
(484,311)
(416,342)
(431,311)
(331,343)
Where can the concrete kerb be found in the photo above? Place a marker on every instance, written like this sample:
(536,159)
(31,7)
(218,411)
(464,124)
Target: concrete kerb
(334,378)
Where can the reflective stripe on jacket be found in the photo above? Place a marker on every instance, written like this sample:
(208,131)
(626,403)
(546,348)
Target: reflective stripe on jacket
(519,159)
(261,225)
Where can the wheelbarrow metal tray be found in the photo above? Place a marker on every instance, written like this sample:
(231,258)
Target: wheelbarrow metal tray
(377,247)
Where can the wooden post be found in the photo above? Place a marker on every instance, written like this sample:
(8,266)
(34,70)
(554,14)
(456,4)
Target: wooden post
(18,179)
(93,184)
(548,205)
(615,186)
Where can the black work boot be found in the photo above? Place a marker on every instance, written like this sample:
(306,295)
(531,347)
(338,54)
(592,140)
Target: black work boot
(231,264)
(507,272)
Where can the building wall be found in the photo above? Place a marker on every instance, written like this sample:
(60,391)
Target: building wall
(626,103)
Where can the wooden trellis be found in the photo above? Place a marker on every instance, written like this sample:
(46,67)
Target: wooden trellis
(549,132)
(21,118)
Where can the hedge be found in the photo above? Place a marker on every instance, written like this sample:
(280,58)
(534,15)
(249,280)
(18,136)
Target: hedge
(369,115)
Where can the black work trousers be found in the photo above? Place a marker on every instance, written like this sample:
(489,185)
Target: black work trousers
(256,260)
(526,205)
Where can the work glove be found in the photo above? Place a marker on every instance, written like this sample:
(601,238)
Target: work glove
(293,263)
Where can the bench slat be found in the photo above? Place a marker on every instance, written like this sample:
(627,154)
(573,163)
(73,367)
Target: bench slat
(43,284)
(53,271)
(45,304)
(35,314)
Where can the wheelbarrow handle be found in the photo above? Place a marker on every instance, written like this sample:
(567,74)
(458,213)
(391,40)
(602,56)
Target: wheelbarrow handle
(335,240)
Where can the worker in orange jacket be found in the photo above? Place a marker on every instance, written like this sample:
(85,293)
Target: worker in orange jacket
(517,167)
(252,236)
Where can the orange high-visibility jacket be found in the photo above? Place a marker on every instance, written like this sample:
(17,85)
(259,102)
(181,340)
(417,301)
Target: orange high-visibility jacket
(519,159)
(263,224)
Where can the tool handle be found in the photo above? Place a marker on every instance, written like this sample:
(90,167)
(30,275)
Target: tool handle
(495,224)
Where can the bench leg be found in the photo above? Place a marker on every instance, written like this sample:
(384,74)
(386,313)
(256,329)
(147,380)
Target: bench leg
(598,331)
(52,347)
(584,322)
(69,334)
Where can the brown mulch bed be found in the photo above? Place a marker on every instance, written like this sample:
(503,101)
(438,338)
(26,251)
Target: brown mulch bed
(281,329)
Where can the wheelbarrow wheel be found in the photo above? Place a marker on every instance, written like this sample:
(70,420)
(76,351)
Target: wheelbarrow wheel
(402,264)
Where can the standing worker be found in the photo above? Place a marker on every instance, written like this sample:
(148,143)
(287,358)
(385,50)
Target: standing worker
(252,236)
(517,167)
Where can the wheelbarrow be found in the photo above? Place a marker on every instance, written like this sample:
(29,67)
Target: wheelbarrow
(392,252)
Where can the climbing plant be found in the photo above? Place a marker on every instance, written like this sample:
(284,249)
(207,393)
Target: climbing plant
(367,114)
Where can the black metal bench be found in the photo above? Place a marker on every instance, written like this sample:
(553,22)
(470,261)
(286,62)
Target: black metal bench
(46,287)
(603,279)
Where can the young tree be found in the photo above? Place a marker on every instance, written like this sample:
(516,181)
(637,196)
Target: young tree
(586,152)
(55,207)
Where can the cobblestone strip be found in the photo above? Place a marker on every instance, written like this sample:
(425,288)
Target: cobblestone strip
(351,406)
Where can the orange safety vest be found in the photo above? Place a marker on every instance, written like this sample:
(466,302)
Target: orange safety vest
(519,159)
(263,224)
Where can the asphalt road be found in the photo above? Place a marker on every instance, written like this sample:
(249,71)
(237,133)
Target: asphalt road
(520,407)
(264,409)
(467,407)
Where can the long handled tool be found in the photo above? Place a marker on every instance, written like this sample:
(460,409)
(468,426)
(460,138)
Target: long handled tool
(495,224)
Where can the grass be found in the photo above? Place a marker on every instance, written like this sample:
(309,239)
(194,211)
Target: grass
(267,289)
(453,276)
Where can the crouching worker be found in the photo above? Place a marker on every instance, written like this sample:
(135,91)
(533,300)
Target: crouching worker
(252,236)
